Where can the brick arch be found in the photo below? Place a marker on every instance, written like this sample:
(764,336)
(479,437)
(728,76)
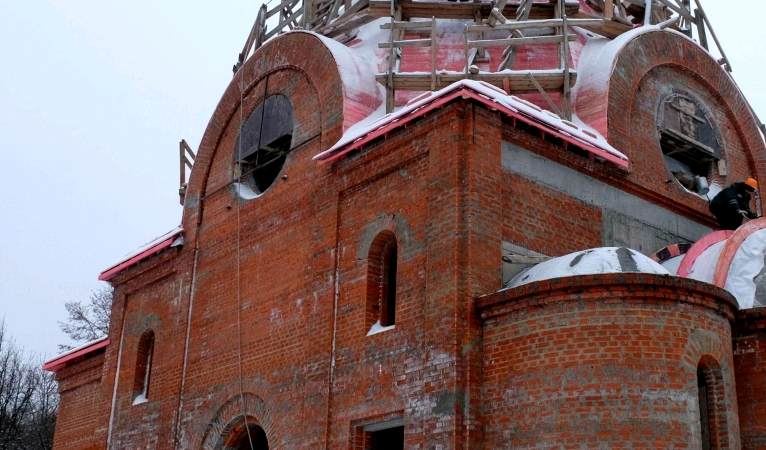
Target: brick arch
(717,404)
(659,48)
(378,269)
(232,415)
(394,223)
(299,52)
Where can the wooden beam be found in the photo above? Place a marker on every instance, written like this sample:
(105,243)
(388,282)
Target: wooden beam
(407,43)
(545,96)
(519,41)
(725,60)
(608,28)
(566,102)
(550,23)
(549,81)
(463,10)
(351,18)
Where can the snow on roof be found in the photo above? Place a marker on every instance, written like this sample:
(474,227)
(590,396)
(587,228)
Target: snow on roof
(589,262)
(357,67)
(62,360)
(378,123)
(142,253)
(596,64)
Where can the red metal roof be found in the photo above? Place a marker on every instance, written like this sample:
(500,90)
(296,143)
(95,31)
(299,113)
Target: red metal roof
(76,355)
(493,98)
(148,250)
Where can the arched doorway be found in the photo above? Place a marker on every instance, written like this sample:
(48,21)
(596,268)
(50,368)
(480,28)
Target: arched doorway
(246,435)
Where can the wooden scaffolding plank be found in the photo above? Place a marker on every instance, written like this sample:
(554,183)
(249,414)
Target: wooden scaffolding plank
(352,17)
(463,10)
(520,83)
(608,28)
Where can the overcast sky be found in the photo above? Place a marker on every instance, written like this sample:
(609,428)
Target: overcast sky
(94,97)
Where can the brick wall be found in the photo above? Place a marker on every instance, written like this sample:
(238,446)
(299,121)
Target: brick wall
(623,110)
(605,360)
(78,419)
(265,308)
(749,335)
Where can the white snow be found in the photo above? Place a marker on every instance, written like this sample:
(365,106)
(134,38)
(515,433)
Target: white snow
(147,246)
(244,191)
(140,398)
(378,328)
(746,265)
(517,105)
(357,68)
(588,262)
(599,55)
(75,350)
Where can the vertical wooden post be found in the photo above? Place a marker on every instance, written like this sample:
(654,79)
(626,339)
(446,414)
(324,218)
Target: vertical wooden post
(433,53)
(700,24)
(566,96)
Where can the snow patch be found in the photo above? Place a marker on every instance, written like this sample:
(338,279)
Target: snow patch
(244,191)
(378,328)
(375,121)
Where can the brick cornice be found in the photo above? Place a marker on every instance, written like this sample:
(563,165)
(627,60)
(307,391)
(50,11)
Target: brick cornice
(609,288)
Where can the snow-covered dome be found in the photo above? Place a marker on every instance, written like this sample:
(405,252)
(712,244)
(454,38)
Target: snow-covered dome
(590,262)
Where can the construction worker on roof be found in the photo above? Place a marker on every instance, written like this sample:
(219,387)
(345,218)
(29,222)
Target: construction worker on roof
(732,204)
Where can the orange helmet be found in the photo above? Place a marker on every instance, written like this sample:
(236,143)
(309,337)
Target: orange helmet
(752,183)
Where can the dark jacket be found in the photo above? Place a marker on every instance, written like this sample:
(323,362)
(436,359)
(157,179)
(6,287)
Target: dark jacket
(728,203)
(733,199)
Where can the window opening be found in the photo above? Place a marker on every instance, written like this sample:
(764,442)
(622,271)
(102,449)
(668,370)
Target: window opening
(244,435)
(689,144)
(704,420)
(712,404)
(266,139)
(143,367)
(388,439)
(381,282)
(388,313)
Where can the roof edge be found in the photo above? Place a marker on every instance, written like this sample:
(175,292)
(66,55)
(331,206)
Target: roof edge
(148,250)
(66,359)
(485,94)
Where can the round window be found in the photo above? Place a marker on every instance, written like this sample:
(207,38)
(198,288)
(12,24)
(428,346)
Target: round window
(264,142)
(689,144)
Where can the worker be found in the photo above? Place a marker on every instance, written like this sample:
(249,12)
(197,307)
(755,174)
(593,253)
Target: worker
(732,204)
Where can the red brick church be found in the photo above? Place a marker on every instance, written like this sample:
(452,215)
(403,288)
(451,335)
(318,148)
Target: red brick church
(448,225)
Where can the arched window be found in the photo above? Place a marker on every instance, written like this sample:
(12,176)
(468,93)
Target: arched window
(264,142)
(246,435)
(143,367)
(712,401)
(381,280)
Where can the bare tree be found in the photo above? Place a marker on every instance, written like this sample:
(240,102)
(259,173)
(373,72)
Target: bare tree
(17,389)
(40,422)
(89,321)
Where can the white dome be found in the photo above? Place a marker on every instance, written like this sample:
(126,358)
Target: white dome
(590,262)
